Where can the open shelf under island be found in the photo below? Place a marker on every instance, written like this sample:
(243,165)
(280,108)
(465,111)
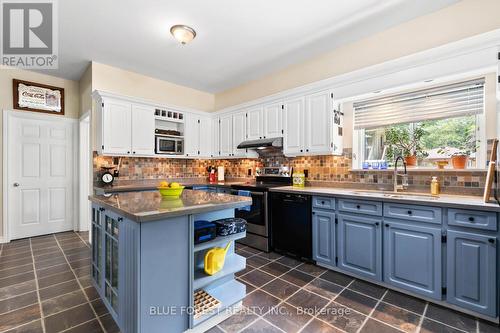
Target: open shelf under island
(146,266)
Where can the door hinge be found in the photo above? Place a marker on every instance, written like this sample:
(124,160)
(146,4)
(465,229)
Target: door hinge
(443,291)
(198,121)
(336,260)
(282,131)
(498,55)
(246,115)
(102,104)
(444,238)
(198,152)
(331,144)
(102,147)
(331,95)
(283,107)
(336,221)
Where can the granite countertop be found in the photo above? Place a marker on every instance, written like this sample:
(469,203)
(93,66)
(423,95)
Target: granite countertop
(444,200)
(150,206)
(144,185)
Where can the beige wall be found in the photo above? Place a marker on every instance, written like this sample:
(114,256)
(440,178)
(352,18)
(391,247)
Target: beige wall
(128,83)
(71,103)
(85,90)
(455,22)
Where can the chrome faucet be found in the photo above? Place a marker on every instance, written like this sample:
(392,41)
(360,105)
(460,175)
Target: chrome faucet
(404,176)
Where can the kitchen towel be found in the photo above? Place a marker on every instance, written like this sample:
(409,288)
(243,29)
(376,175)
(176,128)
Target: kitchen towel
(244,193)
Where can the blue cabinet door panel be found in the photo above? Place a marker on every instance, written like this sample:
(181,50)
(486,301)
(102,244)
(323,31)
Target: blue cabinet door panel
(471,272)
(324,237)
(360,245)
(412,258)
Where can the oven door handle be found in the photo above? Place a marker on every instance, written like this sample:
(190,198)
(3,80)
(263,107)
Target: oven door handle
(251,193)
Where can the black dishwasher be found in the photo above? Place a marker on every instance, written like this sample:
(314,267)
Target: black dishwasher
(291,226)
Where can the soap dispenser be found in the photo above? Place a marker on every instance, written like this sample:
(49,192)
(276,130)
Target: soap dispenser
(434,186)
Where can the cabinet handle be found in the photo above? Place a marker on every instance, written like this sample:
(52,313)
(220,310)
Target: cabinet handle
(322,202)
(264,137)
(301,150)
(120,219)
(128,152)
(260,137)
(358,206)
(387,225)
(377,224)
(307,149)
(471,219)
(101,209)
(314,213)
(491,240)
(410,212)
(133,152)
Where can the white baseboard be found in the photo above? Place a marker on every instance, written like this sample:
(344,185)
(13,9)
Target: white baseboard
(3,240)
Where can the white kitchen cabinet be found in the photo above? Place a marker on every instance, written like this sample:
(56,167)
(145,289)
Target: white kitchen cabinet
(191,135)
(143,130)
(215,137)
(318,125)
(255,123)
(239,134)
(116,127)
(226,136)
(198,136)
(272,117)
(293,125)
(206,146)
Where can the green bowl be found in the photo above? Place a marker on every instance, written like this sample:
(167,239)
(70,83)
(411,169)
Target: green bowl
(171,192)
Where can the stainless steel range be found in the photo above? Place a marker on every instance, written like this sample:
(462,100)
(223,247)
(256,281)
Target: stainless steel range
(257,217)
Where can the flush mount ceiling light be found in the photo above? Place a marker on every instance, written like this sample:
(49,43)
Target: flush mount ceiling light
(183,33)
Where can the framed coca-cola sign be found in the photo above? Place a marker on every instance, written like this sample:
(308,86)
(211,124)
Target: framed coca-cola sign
(36,97)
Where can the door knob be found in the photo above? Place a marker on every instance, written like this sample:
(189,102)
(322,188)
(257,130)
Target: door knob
(16,184)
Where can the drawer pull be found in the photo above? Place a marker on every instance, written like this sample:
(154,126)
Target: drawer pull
(376,223)
(387,225)
(410,212)
(358,206)
(471,219)
(491,240)
(322,202)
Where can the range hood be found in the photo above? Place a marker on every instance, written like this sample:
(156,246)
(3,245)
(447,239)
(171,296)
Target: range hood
(276,143)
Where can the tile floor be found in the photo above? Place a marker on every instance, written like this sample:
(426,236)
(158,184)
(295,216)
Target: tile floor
(45,287)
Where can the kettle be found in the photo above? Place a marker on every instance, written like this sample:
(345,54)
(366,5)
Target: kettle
(214,259)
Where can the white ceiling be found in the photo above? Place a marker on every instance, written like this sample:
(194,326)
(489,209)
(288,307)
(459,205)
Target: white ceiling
(237,41)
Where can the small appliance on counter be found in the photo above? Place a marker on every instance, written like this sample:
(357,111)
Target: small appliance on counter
(204,231)
(220,173)
(212,176)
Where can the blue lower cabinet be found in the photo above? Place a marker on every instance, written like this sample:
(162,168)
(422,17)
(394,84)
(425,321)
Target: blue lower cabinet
(360,245)
(471,272)
(412,258)
(324,237)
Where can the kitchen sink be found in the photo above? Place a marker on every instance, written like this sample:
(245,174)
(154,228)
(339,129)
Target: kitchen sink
(403,195)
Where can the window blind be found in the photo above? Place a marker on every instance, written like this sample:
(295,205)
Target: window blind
(454,100)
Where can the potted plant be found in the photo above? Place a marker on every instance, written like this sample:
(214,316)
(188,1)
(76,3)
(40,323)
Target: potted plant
(400,140)
(460,156)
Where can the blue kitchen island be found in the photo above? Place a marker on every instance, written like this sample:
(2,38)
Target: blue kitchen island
(147,268)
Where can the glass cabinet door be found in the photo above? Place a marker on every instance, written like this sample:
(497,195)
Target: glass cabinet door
(111,259)
(96,245)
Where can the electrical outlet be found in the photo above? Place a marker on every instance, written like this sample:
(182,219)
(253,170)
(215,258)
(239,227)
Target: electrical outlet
(306,173)
(249,172)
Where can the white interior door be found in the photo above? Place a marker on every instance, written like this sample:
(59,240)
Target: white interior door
(39,177)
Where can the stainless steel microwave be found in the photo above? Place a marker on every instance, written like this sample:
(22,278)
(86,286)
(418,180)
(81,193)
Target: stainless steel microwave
(169,145)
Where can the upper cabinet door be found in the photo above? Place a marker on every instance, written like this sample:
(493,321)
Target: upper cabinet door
(191,135)
(272,120)
(143,130)
(206,137)
(226,136)
(117,127)
(239,133)
(254,123)
(318,122)
(293,119)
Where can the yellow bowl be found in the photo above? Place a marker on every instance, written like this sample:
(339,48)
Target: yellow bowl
(171,192)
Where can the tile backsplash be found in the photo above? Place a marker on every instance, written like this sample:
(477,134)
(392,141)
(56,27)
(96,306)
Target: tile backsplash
(322,171)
